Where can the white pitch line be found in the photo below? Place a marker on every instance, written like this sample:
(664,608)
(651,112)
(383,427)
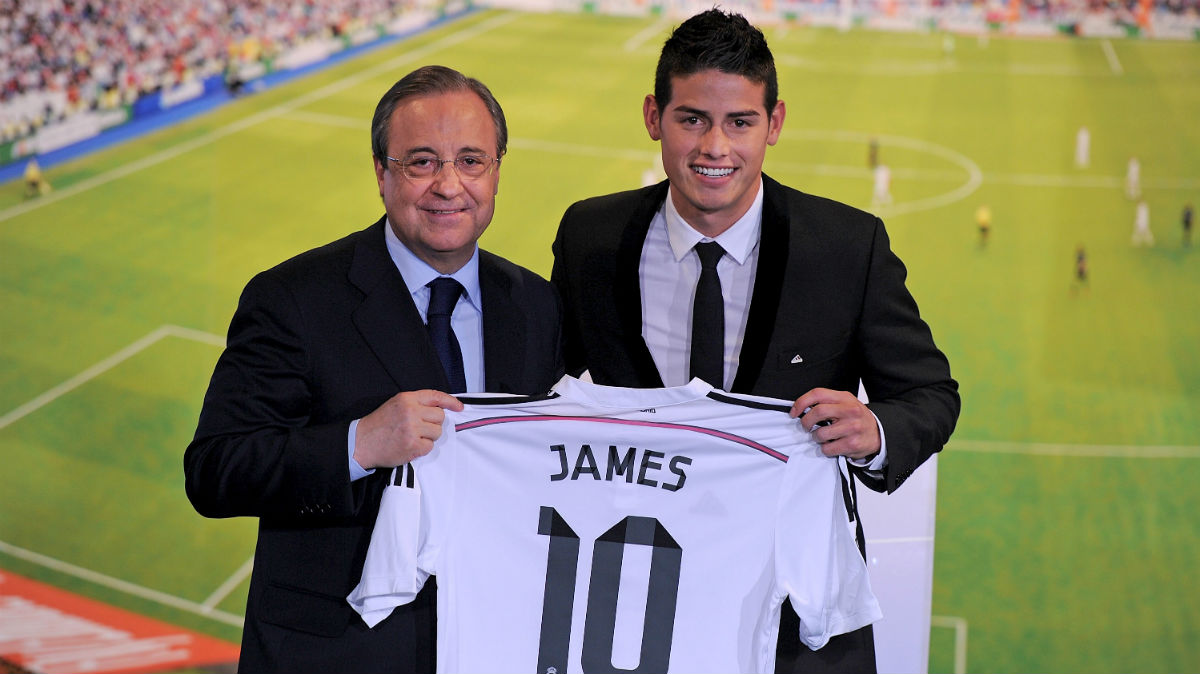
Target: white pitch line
(246,122)
(959,625)
(327,119)
(83,377)
(195,335)
(637,41)
(121,585)
(230,584)
(1111,54)
(974,175)
(105,365)
(1083,451)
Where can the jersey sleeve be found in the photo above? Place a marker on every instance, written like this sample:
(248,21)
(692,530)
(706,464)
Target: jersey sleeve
(391,576)
(818,564)
(405,542)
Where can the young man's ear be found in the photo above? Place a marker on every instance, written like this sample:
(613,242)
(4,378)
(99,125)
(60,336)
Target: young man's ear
(777,116)
(653,117)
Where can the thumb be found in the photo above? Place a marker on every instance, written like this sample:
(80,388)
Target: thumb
(445,401)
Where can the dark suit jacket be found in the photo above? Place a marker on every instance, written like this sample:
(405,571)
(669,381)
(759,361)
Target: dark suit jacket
(316,342)
(829,307)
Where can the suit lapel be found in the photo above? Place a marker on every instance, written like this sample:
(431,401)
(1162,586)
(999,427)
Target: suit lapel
(503,327)
(387,318)
(628,286)
(768,284)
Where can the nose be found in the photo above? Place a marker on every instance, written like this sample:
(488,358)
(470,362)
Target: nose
(446,182)
(714,142)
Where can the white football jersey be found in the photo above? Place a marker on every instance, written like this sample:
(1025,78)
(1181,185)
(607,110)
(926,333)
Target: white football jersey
(603,529)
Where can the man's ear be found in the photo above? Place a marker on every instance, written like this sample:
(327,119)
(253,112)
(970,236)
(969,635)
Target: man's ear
(651,115)
(380,167)
(777,116)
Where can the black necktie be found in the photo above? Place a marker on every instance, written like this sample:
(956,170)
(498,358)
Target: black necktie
(443,295)
(708,319)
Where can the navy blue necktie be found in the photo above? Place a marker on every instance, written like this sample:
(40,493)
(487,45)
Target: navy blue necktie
(443,295)
(708,319)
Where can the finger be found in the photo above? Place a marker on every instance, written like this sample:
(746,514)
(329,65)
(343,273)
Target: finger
(432,398)
(811,399)
(817,416)
(421,448)
(429,414)
(833,448)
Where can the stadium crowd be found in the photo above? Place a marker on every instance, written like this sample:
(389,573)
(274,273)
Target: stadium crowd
(61,56)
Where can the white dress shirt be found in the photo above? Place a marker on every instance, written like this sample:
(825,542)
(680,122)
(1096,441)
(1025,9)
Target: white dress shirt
(668,273)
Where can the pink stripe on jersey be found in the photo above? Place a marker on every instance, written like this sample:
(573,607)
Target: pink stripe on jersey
(468,425)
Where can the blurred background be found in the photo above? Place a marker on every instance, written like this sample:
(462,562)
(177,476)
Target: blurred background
(155,155)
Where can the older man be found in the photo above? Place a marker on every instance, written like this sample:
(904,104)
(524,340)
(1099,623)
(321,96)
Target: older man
(340,361)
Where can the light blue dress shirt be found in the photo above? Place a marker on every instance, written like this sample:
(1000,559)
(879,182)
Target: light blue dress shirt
(467,319)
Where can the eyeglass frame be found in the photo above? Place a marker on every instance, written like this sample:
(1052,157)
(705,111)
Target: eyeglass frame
(494,161)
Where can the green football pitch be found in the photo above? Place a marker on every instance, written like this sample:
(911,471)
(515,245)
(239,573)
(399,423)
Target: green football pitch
(1067,533)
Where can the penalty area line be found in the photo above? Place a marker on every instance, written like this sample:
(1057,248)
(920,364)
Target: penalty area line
(121,585)
(959,625)
(1111,54)
(107,364)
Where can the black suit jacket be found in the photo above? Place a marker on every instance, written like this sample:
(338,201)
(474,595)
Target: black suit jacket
(316,342)
(829,307)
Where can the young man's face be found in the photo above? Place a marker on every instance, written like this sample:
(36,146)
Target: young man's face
(714,134)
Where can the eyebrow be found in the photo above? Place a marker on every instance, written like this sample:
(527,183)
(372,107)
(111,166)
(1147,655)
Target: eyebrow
(704,113)
(425,149)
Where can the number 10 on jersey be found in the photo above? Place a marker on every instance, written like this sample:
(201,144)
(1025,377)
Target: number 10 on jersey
(600,619)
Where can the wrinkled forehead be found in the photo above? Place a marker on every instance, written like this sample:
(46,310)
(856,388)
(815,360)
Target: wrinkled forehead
(446,124)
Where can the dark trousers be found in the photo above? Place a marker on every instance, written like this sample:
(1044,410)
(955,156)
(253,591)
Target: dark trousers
(850,653)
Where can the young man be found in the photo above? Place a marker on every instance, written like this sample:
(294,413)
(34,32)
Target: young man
(809,297)
(331,373)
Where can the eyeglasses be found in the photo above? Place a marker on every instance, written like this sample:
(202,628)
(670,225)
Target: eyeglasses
(426,166)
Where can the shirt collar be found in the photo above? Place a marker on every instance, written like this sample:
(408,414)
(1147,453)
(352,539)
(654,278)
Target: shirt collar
(417,273)
(737,241)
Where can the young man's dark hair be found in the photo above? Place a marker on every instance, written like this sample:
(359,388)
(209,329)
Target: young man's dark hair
(716,40)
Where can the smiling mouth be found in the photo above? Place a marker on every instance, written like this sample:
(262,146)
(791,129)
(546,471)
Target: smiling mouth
(444,212)
(712,172)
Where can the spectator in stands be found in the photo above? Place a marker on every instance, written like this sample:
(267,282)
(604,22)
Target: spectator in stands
(58,57)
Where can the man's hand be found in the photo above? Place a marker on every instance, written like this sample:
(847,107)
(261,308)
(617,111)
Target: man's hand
(402,428)
(839,422)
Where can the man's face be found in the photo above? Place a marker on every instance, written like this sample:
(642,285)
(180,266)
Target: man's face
(439,218)
(714,133)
